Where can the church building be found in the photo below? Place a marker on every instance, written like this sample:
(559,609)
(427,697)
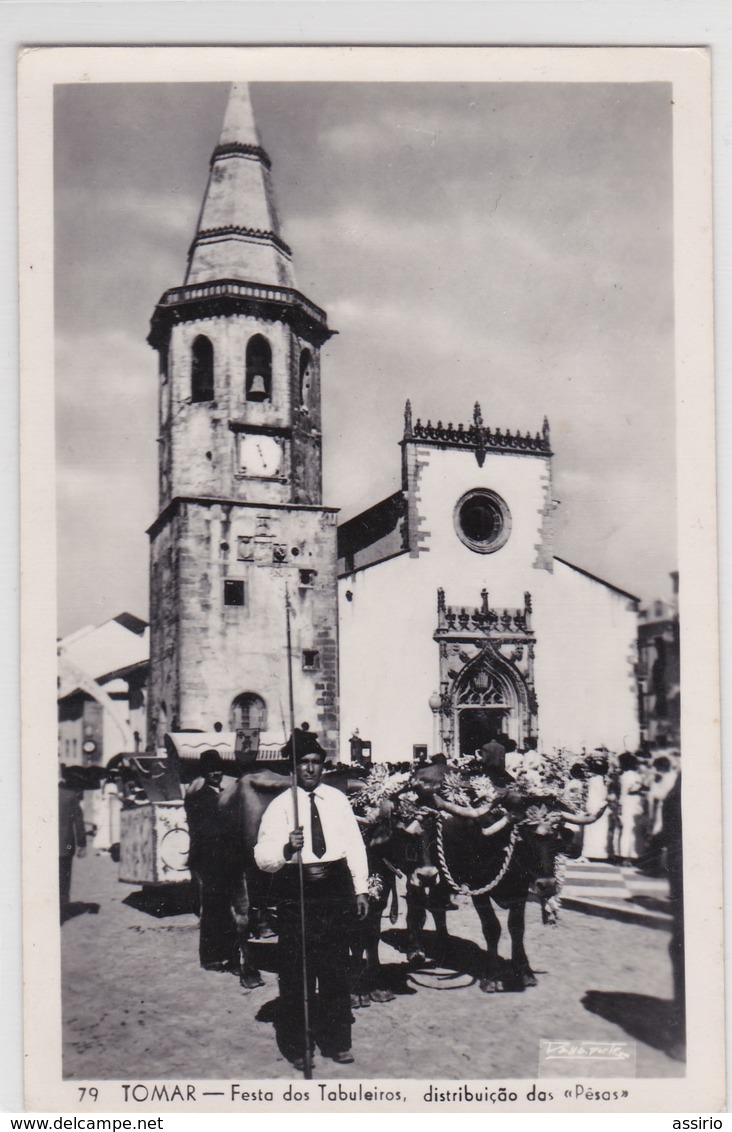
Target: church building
(434,620)
(458,622)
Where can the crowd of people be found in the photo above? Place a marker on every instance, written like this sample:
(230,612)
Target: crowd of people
(632,788)
(312,825)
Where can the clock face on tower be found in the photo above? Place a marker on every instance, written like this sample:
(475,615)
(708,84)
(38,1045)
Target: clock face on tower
(260,456)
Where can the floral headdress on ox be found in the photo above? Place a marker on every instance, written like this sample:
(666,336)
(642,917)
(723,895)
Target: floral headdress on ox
(465,784)
(542,813)
(382,785)
(552,775)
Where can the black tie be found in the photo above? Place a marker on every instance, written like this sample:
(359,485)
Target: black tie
(317,837)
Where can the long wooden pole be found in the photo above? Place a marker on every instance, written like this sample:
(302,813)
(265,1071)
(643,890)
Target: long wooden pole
(307,1058)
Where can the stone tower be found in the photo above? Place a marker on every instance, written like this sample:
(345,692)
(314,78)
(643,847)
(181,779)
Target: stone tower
(240,517)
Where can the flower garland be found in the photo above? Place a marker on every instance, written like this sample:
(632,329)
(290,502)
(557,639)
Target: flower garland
(375,887)
(455,789)
(466,784)
(380,786)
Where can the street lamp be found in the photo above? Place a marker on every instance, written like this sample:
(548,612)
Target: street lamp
(435,702)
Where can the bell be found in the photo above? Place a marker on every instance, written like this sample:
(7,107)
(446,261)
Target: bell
(258,387)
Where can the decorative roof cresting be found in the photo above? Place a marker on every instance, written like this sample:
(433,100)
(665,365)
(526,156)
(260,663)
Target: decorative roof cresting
(477,436)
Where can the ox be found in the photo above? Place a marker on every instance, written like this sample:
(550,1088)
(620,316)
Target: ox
(498,853)
(385,842)
(396,847)
(241,806)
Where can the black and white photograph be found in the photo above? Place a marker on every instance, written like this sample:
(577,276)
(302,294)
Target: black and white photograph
(380,521)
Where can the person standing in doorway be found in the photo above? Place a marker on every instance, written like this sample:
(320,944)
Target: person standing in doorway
(493,758)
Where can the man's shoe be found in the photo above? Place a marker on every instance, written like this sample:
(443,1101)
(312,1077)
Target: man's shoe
(344,1057)
(250,979)
(298,1063)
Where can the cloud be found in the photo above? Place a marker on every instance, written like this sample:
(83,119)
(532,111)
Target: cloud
(106,397)
(106,392)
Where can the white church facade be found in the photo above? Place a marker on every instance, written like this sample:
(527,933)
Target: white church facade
(457,621)
(442,615)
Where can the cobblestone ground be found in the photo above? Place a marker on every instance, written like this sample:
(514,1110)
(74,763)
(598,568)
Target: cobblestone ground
(136,1005)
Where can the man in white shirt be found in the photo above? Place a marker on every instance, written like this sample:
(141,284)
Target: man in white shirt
(335,872)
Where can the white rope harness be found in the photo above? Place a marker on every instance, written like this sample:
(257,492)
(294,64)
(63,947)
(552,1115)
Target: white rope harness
(463,889)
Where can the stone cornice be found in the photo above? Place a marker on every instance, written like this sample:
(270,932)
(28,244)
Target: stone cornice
(260,430)
(476,436)
(211,235)
(223,297)
(241,149)
(213,501)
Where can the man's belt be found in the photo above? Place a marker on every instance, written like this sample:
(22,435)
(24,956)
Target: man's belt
(320,870)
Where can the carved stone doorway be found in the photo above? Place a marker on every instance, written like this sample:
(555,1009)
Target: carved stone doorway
(486,675)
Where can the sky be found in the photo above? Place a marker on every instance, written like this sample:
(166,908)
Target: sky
(507,243)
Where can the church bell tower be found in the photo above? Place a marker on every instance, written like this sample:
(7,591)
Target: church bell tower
(241,521)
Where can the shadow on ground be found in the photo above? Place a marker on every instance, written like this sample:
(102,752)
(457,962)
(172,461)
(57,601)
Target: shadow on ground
(656,1021)
(178,900)
(78,908)
(394,977)
(461,956)
(652,903)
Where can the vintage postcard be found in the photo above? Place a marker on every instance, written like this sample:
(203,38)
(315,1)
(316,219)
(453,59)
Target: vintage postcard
(370,673)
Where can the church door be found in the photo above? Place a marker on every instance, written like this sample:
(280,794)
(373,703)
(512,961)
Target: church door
(486,706)
(478,726)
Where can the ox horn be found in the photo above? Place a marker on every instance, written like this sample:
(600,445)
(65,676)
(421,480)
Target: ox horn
(497,826)
(583,819)
(461,811)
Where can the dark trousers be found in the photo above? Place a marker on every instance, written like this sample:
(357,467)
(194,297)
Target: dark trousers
(217,939)
(64,882)
(224,907)
(329,919)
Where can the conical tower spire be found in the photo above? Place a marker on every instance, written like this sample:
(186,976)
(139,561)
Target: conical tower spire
(238,234)
(239,126)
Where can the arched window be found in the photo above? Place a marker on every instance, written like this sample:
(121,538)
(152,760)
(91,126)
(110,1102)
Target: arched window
(306,374)
(202,370)
(248,713)
(259,369)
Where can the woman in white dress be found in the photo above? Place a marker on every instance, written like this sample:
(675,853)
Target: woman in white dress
(107,807)
(662,783)
(597,836)
(632,809)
